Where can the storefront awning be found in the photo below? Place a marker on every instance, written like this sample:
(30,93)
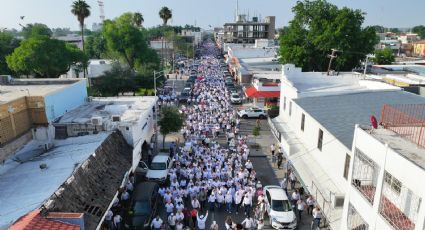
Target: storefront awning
(252,92)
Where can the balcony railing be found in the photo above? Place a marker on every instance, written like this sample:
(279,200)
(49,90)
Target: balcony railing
(399,205)
(365,175)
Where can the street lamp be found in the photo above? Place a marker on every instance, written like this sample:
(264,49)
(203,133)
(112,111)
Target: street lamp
(156,109)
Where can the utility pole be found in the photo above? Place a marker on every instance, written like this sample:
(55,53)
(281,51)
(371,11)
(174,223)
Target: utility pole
(332,56)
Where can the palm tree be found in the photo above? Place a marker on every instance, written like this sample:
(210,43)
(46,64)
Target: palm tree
(81,10)
(165,14)
(138,19)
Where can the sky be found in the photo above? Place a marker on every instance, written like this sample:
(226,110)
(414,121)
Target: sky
(203,13)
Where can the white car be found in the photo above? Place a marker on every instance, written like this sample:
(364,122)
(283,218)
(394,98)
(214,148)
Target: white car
(158,170)
(235,98)
(253,112)
(279,208)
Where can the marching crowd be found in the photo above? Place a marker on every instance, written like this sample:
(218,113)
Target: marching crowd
(208,177)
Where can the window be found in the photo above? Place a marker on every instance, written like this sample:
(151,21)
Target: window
(320,140)
(302,121)
(393,183)
(346,165)
(284,103)
(290,108)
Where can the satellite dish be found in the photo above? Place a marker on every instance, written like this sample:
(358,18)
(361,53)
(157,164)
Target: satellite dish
(374,122)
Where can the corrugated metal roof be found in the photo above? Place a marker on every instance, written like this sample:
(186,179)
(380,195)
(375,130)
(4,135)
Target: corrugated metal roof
(338,114)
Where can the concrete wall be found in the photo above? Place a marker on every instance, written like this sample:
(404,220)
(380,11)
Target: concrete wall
(388,160)
(62,101)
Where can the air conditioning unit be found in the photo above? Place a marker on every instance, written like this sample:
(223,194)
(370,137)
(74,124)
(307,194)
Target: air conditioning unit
(338,201)
(96,120)
(116,118)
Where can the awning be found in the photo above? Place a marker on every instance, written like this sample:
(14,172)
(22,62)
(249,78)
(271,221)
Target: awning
(253,93)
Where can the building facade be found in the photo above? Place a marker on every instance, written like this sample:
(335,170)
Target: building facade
(245,31)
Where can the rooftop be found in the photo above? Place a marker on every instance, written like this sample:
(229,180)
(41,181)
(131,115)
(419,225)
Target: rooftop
(33,221)
(406,148)
(129,109)
(320,84)
(18,88)
(339,114)
(25,186)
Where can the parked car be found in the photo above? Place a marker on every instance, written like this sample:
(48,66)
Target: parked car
(159,168)
(144,205)
(253,113)
(235,98)
(279,208)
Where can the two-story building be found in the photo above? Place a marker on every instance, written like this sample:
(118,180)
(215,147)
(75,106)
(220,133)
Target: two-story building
(315,127)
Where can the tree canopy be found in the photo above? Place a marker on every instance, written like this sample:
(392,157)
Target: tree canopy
(96,46)
(36,29)
(127,41)
(44,57)
(384,57)
(171,121)
(165,14)
(318,27)
(7,44)
(420,30)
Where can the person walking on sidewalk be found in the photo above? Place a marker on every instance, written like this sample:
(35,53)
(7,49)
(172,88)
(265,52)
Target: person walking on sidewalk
(272,149)
(279,159)
(300,208)
(317,216)
(284,185)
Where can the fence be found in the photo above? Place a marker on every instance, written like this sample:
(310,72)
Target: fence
(408,120)
(324,203)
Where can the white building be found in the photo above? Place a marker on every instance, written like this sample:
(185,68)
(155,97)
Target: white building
(95,69)
(196,34)
(386,189)
(318,114)
(133,116)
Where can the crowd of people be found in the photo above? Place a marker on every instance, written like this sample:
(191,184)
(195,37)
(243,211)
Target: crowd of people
(208,176)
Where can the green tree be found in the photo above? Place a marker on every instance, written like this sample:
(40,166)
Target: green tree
(171,121)
(57,32)
(127,42)
(256,131)
(44,57)
(138,19)
(394,30)
(420,30)
(7,44)
(165,14)
(36,29)
(81,10)
(318,27)
(384,57)
(96,46)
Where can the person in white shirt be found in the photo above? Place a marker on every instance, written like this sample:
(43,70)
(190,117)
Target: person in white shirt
(179,216)
(317,215)
(211,201)
(156,223)
(179,226)
(247,203)
(169,207)
(238,199)
(248,223)
(195,203)
(108,219)
(117,222)
(284,185)
(214,225)
(201,220)
(260,224)
(228,200)
(310,204)
(179,206)
(172,220)
(300,208)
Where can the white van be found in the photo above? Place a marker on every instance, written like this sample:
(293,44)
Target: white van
(158,170)
(279,208)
